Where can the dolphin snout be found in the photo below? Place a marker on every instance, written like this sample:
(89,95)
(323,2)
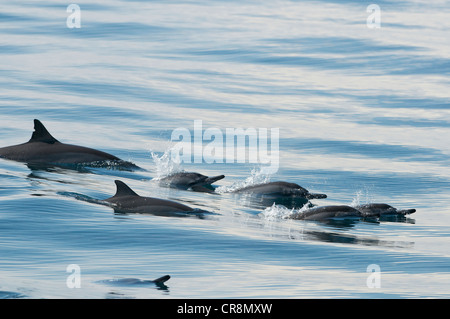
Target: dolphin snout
(315,196)
(214,179)
(407,211)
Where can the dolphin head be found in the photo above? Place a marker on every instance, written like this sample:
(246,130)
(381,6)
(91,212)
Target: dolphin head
(315,196)
(297,190)
(381,209)
(406,211)
(290,189)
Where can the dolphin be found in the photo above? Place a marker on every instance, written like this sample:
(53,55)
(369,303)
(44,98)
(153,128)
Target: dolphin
(127,201)
(327,212)
(380,209)
(136,282)
(44,149)
(188,180)
(279,189)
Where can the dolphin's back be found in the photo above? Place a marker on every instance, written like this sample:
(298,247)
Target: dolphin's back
(56,153)
(273,188)
(326,212)
(370,210)
(43,148)
(127,200)
(135,281)
(381,209)
(139,204)
(279,189)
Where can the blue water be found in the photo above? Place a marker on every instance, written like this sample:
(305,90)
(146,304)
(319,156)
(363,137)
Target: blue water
(363,116)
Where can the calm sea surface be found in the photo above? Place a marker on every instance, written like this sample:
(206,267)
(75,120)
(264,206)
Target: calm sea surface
(363,116)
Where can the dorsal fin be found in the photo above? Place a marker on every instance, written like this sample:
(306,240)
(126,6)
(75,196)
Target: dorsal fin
(161,279)
(41,134)
(123,189)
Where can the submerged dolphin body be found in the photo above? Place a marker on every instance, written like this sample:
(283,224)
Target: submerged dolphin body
(328,212)
(127,201)
(380,210)
(279,189)
(136,282)
(187,180)
(44,149)
(343,211)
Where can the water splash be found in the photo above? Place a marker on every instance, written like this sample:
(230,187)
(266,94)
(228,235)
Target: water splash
(277,212)
(164,164)
(257,176)
(361,197)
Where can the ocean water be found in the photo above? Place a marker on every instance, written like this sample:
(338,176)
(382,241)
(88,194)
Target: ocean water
(363,116)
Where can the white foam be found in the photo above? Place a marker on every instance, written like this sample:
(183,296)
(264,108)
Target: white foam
(257,176)
(164,164)
(277,212)
(361,197)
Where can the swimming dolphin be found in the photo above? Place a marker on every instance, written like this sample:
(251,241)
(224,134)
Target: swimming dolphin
(44,149)
(187,180)
(136,282)
(127,201)
(378,210)
(279,189)
(327,212)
